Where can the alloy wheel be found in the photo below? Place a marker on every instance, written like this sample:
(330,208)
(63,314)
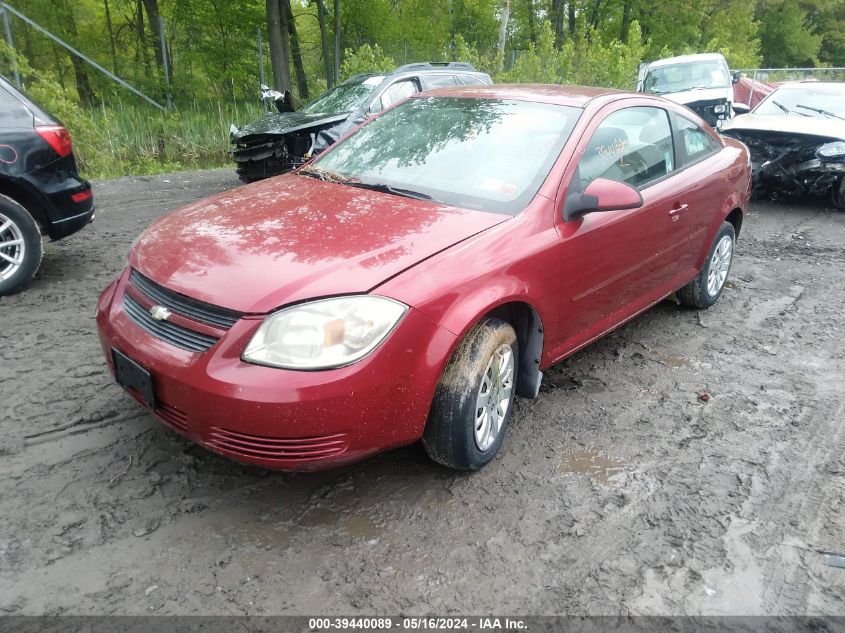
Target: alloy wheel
(494,396)
(12,248)
(720,264)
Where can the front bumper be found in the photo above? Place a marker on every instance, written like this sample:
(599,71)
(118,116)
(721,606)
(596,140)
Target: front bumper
(282,419)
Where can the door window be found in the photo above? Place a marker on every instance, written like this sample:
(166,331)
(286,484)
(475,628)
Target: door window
(471,80)
(439,81)
(633,145)
(397,92)
(696,142)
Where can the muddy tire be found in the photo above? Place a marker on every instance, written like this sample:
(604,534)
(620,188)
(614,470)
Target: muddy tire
(474,399)
(20,246)
(706,288)
(837,194)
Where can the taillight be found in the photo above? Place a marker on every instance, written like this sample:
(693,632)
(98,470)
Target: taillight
(82,196)
(56,137)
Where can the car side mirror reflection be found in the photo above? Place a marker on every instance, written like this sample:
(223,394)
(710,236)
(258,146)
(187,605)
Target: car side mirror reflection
(601,195)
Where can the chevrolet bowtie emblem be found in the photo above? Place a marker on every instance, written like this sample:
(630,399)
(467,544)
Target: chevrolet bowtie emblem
(160,313)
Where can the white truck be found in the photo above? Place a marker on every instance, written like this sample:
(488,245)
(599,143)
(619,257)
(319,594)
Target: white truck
(701,82)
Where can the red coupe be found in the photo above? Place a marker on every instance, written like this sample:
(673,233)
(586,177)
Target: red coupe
(414,279)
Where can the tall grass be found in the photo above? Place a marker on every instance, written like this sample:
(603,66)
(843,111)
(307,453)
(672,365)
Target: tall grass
(133,139)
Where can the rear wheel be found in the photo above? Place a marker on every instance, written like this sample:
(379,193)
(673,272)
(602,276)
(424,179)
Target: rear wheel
(474,400)
(20,246)
(706,288)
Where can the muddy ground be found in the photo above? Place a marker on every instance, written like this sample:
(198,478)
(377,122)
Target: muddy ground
(617,491)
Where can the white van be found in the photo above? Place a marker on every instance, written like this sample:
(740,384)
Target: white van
(701,82)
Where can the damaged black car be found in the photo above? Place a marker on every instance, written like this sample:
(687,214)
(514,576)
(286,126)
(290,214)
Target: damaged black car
(281,141)
(796,137)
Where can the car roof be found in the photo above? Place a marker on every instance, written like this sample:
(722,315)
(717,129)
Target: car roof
(423,68)
(685,59)
(577,96)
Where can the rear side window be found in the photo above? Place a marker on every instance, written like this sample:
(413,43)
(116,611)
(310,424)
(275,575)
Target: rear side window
(633,145)
(471,80)
(440,81)
(695,142)
(13,114)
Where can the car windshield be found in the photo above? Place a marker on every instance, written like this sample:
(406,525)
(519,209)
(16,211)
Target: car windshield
(680,77)
(805,100)
(346,97)
(486,154)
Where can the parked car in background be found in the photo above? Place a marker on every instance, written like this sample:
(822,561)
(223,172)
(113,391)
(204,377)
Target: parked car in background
(415,278)
(281,141)
(701,82)
(748,93)
(797,140)
(40,188)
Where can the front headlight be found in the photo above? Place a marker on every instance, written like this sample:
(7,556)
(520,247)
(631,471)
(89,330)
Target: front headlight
(831,150)
(720,108)
(324,334)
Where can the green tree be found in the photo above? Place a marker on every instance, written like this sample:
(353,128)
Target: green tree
(787,37)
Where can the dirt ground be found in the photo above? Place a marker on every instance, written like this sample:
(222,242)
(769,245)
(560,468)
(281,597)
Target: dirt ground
(617,491)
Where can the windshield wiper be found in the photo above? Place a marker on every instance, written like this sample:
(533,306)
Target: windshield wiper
(820,111)
(396,191)
(787,110)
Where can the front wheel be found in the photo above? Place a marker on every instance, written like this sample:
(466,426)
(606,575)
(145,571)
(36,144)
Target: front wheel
(706,288)
(20,246)
(837,194)
(474,399)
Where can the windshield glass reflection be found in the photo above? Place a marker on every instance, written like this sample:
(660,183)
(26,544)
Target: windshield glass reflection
(487,154)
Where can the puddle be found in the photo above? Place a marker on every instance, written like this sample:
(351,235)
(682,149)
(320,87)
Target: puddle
(356,525)
(674,361)
(602,469)
(360,526)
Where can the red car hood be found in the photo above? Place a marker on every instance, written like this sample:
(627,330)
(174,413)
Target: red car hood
(286,239)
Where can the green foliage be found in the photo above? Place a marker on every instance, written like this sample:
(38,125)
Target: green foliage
(212,51)
(367,59)
(785,35)
(586,61)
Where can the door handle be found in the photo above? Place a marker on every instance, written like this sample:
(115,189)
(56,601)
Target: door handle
(675,212)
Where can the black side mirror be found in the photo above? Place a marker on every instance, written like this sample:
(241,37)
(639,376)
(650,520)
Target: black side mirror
(736,77)
(578,204)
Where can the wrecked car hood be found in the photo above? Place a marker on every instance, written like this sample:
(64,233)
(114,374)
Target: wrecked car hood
(285,122)
(789,124)
(286,239)
(701,94)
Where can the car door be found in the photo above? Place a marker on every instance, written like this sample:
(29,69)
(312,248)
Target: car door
(616,263)
(697,152)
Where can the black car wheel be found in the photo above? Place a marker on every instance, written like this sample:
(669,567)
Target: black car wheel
(20,246)
(474,399)
(837,193)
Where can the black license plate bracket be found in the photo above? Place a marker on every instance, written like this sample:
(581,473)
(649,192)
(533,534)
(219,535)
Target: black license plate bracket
(130,375)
